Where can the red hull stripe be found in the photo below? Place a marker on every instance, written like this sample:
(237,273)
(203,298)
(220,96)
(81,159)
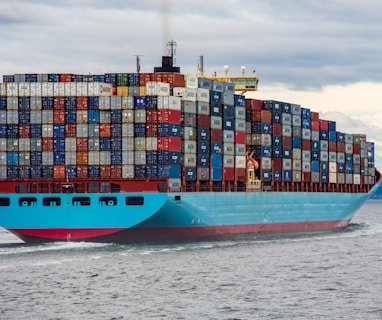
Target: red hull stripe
(178,233)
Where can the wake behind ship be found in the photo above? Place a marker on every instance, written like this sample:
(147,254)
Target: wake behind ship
(163,156)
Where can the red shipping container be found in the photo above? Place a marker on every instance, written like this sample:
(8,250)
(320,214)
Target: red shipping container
(144,78)
(71,130)
(240,174)
(261,116)
(287,142)
(65,77)
(82,103)
(115,171)
(82,172)
(104,172)
(277,128)
(59,172)
(277,163)
(315,125)
(175,144)
(306,144)
(151,130)
(216,135)
(306,177)
(314,116)
(253,104)
(151,116)
(324,124)
(229,174)
(114,91)
(178,80)
(157,77)
(47,144)
(59,103)
(104,130)
(82,144)
(356,149)
(203,121)
(239,137)
(59,116)
(340,146)
(169,116)
(332,146)
(24,131)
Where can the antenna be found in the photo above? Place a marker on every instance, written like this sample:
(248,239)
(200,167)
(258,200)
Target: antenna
(226,69)
(242,69)
(138,56)
(201,65)
(171,50)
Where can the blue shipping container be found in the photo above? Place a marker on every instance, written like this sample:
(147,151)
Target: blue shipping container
(190,174)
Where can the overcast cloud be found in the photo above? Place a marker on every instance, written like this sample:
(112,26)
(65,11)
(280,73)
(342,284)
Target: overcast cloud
(307,51)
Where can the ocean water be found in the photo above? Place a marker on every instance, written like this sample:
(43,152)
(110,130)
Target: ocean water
(334,276)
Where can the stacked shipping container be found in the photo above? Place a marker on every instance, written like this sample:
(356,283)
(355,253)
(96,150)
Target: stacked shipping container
(192,131)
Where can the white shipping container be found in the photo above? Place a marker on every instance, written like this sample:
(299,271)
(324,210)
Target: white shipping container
(47,116)
(93,144)
(305,155)
(216,122)
(296,154)
(47,89)
(3,158)
(104,158)
(332,177)
(82,116)
(191,81)
(127,171)
(12,103)
(228,136)
(189,146)
(190,160)
(116,102)
(3,172)
(174,103)
(104,116)
(286,130)
(163,89)
(35,103)
(240,162)
(70,89)
(93,158)
(178,91)
(100,89)
(127,102)
(140,157)
(36,117)
(24,159)
(12,117)
(82,89)
(36,144)
(24,89)
(12,89)
(140,144)
(163,102)
(47,131)
(140,116)
(82,130)
(151,88)
(70,144)
(59,89)
(228,149)
(127,116)
(3,144)
(203,95)
(306,167)
(240,149)
(3,89)
(127,130)
(128,156)
(3,117)
(71,158)
(47,158)
(104,103)
(189,94)
(13,144)
(240,125)
(203,108)
(24,144)
(240,113)
(297,165)
(228,161)
(357,178)
(151,143)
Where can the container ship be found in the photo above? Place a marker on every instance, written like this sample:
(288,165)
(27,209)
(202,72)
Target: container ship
(169,157)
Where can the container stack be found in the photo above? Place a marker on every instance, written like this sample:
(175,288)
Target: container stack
(292,144)
(191,131)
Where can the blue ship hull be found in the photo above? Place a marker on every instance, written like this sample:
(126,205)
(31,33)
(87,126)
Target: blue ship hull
(185,216)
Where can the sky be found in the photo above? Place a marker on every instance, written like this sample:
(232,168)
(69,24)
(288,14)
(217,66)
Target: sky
(324,55)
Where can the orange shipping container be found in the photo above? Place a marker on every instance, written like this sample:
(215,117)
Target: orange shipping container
(59,172)
(65,77)
(82,144)
(145,77)
(105,172)
(82,103)
(104,130)
(47,144)
(122,91)
(82,172)
(70,130)
(59,116)
(82,158)
(59,103)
